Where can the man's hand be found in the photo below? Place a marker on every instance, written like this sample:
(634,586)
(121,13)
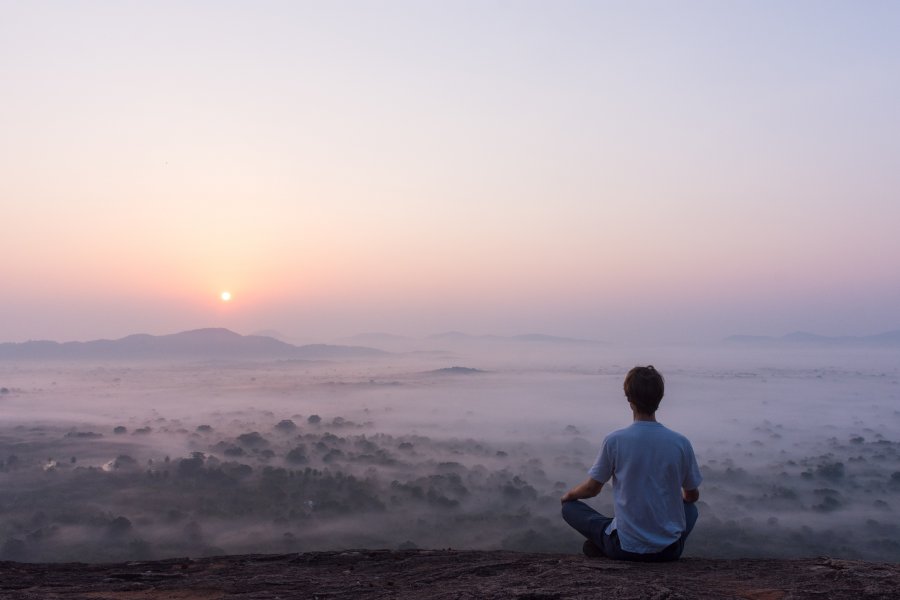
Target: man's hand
(586,489)
(570,495)
(690,496)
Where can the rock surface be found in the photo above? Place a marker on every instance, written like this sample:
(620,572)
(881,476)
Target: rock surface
(446,574)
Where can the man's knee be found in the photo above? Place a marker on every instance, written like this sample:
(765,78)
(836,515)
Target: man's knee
(690,511)
(570,509)
(690,516)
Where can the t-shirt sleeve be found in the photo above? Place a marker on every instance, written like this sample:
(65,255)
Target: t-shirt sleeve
(692,476)
(603,466)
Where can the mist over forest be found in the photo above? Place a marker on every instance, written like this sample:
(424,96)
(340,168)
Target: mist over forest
(445,443)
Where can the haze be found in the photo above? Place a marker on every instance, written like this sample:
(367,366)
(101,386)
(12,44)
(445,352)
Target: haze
(467,445)
(447,230)
(633,172)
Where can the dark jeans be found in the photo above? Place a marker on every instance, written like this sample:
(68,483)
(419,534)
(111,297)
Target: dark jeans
(592,525)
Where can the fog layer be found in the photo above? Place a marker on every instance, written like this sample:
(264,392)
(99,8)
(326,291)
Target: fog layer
(113,460)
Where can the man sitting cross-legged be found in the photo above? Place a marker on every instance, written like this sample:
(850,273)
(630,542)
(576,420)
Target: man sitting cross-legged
(654,477)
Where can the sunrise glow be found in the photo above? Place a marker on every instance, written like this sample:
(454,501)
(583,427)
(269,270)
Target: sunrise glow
(600,171)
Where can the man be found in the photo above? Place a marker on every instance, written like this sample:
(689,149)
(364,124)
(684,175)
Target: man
(654,477)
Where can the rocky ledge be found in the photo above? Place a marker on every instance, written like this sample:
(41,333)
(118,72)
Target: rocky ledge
(446,574)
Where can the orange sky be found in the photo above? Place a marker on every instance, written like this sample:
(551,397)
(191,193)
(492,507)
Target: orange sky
(590,170)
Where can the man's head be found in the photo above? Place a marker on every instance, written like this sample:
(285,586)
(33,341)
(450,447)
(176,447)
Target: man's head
(644,387)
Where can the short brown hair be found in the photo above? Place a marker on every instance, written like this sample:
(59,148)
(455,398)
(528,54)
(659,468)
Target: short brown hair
(644,387)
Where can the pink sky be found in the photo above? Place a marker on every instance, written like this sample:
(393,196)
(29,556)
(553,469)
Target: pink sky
(598,170)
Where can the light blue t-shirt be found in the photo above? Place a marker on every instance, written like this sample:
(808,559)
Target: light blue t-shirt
(648,464)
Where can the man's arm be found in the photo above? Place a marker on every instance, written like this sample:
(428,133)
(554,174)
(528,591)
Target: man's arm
(586,489)
(690,496)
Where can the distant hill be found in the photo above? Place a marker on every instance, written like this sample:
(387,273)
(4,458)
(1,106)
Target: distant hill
(375,337)
(527,337)
(272,333)
(553,339)
(453,335)
(455,371)
(197,343)
(888,338)
(399,343)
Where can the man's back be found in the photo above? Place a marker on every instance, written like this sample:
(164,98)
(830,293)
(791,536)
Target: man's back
(655,479)
(649,465)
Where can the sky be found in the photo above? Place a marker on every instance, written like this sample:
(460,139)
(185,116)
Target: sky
(640,171)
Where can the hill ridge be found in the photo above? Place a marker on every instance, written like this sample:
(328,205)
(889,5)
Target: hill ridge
(885,338)
(209,342)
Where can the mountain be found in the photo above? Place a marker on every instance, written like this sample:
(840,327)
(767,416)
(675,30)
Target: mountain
(454,335)
(457,336)
(804,337)
(455,371)
(272,333)
(749,339)
(197,344)
(375,337)
(888,338)
(553,339)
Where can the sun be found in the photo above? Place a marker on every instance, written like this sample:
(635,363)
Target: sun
(225,296)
